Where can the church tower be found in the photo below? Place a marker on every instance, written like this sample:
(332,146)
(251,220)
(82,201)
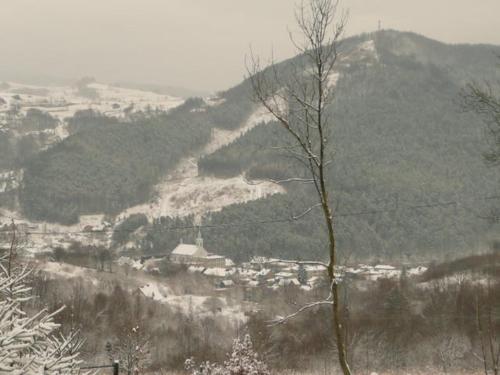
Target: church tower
(199,240)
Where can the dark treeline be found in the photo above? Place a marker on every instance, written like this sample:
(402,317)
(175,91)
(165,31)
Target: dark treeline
(122,231)
(24,136)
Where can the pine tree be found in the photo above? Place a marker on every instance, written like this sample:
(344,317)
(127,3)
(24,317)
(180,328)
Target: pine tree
(302,275)
(28,344)
(242,361)
(132,350)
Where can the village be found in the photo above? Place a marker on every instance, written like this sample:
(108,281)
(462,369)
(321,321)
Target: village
(259,272)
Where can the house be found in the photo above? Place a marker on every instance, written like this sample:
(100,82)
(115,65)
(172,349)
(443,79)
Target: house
(196,255)
(315,271)
(216,261)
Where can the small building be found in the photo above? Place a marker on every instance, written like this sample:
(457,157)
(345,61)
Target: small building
(215,261)
(315,271)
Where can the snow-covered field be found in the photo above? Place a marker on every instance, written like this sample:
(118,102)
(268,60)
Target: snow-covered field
(63,101)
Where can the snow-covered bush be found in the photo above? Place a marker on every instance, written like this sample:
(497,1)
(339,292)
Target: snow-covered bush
(132,351)
(29,344)
(243,360)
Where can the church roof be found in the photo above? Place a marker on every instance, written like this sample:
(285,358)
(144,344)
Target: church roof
(191,250)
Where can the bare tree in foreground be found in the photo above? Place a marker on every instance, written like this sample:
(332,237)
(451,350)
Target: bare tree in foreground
(488,327)
(243,360)
(299,99)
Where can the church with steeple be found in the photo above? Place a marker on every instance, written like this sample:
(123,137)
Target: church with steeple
(196,254)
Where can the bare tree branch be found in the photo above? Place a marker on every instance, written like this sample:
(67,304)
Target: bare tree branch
(300,99)
(282,320)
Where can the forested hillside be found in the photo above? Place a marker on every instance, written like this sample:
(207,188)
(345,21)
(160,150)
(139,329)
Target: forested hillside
(107,164)
(401,140)
(408,176)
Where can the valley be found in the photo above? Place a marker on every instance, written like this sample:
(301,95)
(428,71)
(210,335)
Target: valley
(357,225)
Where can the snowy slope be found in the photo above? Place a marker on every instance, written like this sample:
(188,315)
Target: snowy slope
(183,192)
(63,101)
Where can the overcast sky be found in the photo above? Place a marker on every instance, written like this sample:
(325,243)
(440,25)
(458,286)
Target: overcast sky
(198,44)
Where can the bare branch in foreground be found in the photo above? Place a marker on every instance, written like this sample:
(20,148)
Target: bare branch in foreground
(284,319)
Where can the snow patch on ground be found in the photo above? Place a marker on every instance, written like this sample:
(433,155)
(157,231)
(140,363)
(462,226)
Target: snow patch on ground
(132,263)
(214,101)
(333,78)
(67,271)
(369,47)
(192,304)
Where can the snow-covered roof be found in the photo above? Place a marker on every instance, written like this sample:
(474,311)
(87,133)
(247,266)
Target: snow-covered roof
(220,272)
(354,270)
(284,274)
(384,267)
(190,250)
(130,262)
(263,272)
(247,272)
(196,269)
(417,270)
(315,268)
(213,256)
(284,282)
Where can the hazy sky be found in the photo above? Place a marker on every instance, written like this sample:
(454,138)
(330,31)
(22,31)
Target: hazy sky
(198,44)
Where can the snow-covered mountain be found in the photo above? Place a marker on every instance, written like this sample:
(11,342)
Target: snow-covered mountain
(398,133)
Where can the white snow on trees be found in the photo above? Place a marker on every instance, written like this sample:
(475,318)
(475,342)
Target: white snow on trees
(242,361)
(29,345)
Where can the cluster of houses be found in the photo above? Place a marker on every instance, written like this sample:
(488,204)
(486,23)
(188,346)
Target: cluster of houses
(259,272)
(270,273)
(225,273)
